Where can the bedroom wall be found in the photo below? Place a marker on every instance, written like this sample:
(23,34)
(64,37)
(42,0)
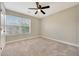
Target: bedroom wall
(62,25)
(78,24)
(0,21)
(35,27)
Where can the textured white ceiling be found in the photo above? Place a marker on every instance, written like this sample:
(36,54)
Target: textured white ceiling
(22,7)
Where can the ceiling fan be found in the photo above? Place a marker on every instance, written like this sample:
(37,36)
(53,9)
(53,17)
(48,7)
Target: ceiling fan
(39,8)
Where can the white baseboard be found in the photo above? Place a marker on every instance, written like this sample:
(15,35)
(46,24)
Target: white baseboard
(22,39)
(68,43)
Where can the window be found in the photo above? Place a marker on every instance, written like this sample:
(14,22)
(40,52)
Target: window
(17,25)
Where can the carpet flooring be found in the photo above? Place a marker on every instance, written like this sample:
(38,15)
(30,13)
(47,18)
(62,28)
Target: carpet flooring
(39,47)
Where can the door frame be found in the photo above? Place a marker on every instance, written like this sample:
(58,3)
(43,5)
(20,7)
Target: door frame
(3,17)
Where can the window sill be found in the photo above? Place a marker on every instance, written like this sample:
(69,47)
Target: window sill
(19,34)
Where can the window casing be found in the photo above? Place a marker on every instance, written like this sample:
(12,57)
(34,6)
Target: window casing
(15,25)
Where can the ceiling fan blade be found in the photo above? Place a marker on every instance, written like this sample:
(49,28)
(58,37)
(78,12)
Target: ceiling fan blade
(37,3)
(33,8)
(45,7)
(42,11)
(36,12)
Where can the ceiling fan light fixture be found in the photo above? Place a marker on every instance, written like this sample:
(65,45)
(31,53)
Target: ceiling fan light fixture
(38,10)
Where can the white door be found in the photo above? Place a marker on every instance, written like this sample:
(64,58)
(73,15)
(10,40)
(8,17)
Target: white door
(2,26)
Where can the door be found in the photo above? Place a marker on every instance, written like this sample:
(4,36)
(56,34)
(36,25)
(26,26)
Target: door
(2,25)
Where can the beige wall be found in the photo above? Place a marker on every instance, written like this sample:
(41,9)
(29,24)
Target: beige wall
(62,25)
(0,21)
(35,27)
(78,24)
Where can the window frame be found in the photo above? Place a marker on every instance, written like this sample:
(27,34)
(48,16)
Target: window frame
(20,26)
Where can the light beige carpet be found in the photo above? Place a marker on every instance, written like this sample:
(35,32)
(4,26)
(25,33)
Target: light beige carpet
(39,47)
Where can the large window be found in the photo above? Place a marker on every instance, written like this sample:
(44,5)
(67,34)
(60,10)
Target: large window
(17,25)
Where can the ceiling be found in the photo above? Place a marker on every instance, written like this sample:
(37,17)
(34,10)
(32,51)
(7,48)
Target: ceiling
(22,7)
